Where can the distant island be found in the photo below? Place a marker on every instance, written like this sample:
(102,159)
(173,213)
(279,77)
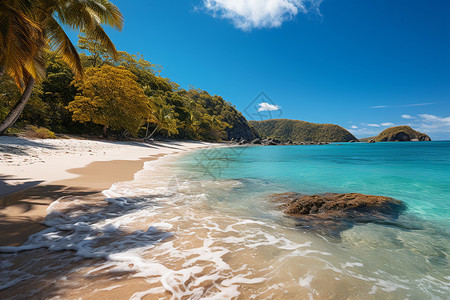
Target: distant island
(300,131)
(398,133)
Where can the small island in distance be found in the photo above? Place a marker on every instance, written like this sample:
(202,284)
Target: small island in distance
(296,131)
(398,133)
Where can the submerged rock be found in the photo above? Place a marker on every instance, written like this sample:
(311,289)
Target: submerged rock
(333,213)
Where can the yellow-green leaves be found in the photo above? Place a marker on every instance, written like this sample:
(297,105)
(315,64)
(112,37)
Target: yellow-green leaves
(110,96)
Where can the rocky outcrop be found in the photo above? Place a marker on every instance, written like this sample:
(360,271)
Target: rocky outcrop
(401,134)
(424,138)
(274,142)
(241,129)
(333,213)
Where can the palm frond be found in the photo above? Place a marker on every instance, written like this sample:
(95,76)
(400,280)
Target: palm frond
(62,44)
(21,39)
(107,12)
(84,16)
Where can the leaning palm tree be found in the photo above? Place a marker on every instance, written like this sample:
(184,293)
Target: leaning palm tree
(29,27)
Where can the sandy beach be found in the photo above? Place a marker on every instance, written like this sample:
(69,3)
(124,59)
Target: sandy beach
(34,173)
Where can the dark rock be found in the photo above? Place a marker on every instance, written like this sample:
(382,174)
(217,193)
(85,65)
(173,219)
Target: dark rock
(352,141)
(243,142)
(424,138)
(333,213)
(256,142)
(400,136)
(270,142)
(241,129)
(371,141)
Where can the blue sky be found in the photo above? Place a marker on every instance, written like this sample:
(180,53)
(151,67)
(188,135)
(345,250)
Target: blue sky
(360,63)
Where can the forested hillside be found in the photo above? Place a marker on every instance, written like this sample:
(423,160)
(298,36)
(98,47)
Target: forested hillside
(301,131)
(401,133)
(124,96)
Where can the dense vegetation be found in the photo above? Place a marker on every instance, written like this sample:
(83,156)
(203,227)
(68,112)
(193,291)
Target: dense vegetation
(29,28)
(401,133)
(123,95)
(301,131)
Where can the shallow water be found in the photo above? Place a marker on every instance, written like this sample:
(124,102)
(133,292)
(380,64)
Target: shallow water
(202,227)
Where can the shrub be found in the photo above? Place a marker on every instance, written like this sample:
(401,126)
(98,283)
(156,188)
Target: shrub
(39,133)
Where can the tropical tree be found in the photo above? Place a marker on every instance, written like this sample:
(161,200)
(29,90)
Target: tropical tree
(163,116)
(29,27)
(110,96)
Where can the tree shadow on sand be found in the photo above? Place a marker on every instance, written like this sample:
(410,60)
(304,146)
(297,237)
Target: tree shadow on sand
(10,184)
(80,236)
(17,145)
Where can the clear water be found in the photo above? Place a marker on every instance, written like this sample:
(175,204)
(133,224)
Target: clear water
(202,227)
(417,173)
(413,254)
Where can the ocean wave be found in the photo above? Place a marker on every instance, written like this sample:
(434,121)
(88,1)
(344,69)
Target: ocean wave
(169,234)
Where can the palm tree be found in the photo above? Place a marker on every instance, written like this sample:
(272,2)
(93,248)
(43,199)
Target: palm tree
(164,118)
(29,27)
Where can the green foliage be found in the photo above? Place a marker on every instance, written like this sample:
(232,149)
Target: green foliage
(113,95)
(99,52)
(389,134)
(301,131)
(36,112)
(110,96)
(39,133)
(57,92)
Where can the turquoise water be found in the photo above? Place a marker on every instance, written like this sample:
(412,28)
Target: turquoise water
(408,258)
(417,173)
(202,226)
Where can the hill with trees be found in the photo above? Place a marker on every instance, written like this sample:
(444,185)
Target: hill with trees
(401,133)
(121,95)
(301,131)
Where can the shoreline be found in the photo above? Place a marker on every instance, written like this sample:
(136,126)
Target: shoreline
(82,173)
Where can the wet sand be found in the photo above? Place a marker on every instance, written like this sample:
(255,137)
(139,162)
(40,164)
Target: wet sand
(34,173)
(23,212)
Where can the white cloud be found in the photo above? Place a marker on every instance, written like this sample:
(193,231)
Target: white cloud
(405,116)
(354,127)
(249,14)
(404,105)
(433,123)
(373,125)
(387,124)
(418,104)
(264,106)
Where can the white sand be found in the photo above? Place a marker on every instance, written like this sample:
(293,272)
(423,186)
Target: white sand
(25,162)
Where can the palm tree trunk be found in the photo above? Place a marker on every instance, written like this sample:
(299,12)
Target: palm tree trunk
(105,131)
(153,132)
(14,114)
